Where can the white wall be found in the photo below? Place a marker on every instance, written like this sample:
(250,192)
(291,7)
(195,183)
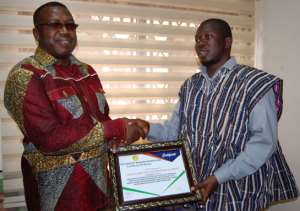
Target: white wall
(277,52)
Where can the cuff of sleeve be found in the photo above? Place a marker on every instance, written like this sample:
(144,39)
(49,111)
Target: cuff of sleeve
(115,129)
(222,175)
(152,130)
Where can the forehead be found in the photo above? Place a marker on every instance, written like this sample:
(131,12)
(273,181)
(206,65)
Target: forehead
(54,13)
(208,28)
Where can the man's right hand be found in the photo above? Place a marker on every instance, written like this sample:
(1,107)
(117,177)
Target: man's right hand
(134,131)
(144,125)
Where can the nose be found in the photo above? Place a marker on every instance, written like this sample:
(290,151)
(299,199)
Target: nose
(200,43)
(64,29)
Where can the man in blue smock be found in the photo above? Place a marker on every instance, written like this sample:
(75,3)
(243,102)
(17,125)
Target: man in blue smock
(228,114)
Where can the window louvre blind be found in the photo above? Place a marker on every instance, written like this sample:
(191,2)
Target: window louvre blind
(142,50)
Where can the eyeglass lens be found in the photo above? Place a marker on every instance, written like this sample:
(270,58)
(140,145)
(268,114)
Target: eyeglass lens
(58,25)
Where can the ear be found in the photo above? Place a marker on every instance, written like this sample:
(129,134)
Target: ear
(228,42)
(36,34)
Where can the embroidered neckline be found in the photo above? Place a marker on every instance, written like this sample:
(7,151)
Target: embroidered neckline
(211,83)
(44,58)
(47,61)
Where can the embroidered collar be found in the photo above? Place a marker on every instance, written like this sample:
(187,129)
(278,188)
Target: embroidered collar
(223,70)
(46,59)
(43,57)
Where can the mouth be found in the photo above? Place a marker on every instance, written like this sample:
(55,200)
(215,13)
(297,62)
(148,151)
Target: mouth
(202,52)
(64,42)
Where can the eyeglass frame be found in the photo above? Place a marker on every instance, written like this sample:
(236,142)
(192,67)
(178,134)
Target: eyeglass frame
(59,25)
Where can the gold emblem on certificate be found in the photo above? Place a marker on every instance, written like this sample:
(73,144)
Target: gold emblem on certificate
(152,175)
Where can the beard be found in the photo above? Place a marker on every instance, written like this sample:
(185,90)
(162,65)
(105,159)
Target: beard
(209,62)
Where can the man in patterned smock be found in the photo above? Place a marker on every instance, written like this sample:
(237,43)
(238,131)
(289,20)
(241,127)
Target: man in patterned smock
(59,105)
(228,114)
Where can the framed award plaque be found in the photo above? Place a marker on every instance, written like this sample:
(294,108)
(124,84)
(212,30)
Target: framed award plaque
(152,175)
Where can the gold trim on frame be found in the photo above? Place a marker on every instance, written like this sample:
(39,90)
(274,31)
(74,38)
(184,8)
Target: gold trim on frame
(156,202)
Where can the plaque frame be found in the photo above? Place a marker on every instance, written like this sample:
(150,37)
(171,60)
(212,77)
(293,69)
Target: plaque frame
(118,202)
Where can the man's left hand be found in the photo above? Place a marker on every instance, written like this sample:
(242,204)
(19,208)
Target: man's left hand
(207,187)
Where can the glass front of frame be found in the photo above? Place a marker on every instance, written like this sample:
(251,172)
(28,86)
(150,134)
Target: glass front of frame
(152,175)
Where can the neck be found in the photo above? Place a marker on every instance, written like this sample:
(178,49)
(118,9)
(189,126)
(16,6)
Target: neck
(64,62)
(214,67)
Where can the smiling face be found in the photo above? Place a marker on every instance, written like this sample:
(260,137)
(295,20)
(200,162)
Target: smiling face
(57,41)
(212,48)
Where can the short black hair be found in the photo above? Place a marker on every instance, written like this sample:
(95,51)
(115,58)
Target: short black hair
(48,4)
(221,25)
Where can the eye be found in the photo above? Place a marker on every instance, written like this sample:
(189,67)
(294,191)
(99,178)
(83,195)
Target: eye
(59,25)
(56,25)
(208,36)
(204,37)
(71,26)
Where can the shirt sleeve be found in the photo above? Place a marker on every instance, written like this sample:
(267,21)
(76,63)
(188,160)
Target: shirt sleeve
(168,131)
(260,147)
(52,136)
(43,126)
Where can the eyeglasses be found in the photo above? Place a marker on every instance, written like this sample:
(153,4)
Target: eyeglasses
(59,25)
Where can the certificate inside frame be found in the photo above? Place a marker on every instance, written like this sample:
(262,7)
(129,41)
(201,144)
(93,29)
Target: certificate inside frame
(152,175)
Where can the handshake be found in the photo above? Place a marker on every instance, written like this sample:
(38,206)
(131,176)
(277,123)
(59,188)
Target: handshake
(136,129)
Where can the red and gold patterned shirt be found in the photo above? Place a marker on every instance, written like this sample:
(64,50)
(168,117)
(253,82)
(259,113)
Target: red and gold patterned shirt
(64,116)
